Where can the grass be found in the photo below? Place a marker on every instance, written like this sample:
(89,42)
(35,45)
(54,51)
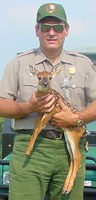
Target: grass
(1,126)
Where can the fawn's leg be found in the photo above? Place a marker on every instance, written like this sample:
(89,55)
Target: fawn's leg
(40,124)
(66,184)
(72,139)
(76,163)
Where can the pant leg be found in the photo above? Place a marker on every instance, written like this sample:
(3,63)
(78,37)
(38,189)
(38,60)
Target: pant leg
(27,174)
(77,191)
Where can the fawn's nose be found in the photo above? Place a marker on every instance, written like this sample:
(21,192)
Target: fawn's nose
(45,84)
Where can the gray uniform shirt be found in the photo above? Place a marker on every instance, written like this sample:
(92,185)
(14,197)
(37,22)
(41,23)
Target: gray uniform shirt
(76,81)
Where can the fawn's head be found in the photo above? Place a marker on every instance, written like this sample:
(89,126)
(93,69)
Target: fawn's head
(44,77)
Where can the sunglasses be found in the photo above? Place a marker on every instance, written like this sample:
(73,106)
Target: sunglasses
(56,27)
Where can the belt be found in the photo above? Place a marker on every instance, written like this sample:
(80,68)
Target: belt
(50,134)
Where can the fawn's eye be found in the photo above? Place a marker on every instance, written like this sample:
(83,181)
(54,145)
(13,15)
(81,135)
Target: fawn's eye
(39,78)
(50,78)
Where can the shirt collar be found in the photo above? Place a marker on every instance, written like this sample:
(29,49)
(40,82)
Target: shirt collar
(40,57)
(64,57)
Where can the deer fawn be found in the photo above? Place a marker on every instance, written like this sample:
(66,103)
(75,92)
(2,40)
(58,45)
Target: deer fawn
(72,134)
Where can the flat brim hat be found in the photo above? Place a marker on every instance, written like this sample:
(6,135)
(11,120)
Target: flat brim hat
(51,10)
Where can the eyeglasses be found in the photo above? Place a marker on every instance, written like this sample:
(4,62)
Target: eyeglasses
(47,27)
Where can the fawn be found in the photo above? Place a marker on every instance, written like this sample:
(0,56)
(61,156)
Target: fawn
(72,134)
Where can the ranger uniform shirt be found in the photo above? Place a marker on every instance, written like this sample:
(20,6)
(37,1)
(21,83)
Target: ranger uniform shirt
(76,81)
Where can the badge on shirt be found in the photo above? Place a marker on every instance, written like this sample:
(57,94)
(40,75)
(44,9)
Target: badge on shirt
(71,70)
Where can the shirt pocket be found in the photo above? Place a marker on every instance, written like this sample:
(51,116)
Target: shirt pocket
(27,87)
(74,93)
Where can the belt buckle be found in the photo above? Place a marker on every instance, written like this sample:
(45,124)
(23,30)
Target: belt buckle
(60,136)
(52,134)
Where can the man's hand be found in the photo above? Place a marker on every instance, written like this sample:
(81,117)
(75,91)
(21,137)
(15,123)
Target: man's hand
(65,118)
(41,104)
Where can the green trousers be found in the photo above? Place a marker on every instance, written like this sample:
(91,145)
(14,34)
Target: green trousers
(45,170)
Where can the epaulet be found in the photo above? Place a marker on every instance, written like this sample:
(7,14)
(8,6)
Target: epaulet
(19,54)
(77,54)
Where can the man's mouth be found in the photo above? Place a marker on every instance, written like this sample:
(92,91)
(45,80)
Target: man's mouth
(51,40)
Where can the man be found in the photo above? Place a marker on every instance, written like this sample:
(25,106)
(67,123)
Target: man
(47,166)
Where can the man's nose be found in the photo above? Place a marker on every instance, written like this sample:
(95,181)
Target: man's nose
(52,31)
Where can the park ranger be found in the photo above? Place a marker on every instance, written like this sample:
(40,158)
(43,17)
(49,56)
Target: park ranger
(48,164)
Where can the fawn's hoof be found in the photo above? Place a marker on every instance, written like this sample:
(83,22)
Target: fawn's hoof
(67,190)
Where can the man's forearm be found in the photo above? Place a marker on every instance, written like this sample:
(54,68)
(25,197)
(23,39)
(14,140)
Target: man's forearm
(13,109)
(89,113)
(67,118)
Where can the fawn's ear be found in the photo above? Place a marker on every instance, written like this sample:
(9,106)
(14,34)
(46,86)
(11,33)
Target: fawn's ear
(55,71)
(33,70)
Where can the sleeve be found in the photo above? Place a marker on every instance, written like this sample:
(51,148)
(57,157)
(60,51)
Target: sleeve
(9,82)
(90,83)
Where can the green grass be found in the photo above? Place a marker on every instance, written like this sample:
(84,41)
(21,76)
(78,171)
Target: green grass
(1,126)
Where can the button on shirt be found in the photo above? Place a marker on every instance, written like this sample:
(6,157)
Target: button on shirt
(75,82)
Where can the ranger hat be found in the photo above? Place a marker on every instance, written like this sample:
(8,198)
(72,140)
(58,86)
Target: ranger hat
(51,10)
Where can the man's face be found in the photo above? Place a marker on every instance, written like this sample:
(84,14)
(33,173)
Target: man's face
(50,38)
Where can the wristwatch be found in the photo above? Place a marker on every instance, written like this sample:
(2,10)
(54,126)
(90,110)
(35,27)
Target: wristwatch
(80,121)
